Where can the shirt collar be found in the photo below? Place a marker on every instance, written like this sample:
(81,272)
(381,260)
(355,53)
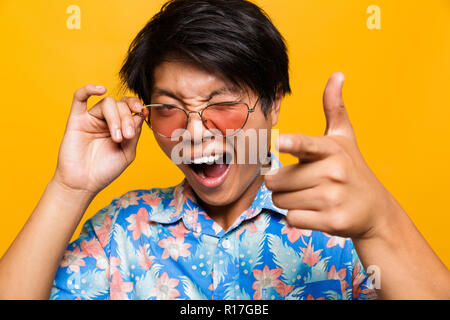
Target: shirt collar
(179,202)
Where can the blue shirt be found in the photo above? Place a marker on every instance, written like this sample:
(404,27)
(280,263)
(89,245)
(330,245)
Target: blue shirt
(160,244)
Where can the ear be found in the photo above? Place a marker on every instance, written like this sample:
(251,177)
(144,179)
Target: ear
(275,111)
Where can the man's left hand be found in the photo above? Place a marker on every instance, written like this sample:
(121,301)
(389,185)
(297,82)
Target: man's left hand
(331,188)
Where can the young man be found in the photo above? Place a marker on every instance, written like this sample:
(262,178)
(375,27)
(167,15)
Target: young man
(215,71)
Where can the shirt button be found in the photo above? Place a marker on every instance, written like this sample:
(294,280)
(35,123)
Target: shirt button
(226,244)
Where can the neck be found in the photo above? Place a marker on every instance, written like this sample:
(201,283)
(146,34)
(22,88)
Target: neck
(226,215)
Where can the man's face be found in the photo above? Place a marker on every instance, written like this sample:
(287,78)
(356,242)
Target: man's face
(185,85)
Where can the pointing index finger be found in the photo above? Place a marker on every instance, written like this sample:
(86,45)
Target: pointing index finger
(305,147)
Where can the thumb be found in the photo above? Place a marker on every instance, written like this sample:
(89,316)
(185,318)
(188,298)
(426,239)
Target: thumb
(336,115)
(80,97)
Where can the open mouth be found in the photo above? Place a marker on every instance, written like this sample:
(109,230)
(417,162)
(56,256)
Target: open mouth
(211,171)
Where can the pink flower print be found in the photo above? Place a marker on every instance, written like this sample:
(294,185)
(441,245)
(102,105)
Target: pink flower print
(174,248)
(338,275)
(73,259)
(267,278)
(102,263)
(293,234)
(192,212)
(247,226)
(370,293)
(310,257)
(335,241)
(178,200)
(191,217)
(128,199)
(283,289)
(333,274)
(91,248)
(251,227)
(310,297)
(115,262)
(164,288)
(179,230)
(152,198)
(103,231)
(250,213)
(173,203)
(119,288)
(357,279)
(145,260)
(139,223)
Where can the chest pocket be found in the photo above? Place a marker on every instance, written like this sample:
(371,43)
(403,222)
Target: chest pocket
(319,290)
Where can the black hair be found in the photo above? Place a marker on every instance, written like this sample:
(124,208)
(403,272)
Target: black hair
(235,38)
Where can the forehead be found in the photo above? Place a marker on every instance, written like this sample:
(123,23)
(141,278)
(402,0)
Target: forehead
(186,80)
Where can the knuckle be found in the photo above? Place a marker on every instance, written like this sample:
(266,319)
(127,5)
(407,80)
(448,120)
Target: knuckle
(310,146)
(132,103)
(124,108)
(127,98)
(336,146)
(132,99)
(108,100)
(304,145)
(337,170)
(338,223)
(333,197)
(78,92)
(127,121)
(337,173)
(81,91)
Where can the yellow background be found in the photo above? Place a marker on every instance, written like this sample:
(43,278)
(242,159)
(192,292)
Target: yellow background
(396,92)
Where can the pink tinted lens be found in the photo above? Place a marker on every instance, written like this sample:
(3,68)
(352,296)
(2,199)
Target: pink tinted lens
(165,119)
(225,117)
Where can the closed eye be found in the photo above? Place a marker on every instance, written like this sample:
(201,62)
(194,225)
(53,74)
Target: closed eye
(166,109)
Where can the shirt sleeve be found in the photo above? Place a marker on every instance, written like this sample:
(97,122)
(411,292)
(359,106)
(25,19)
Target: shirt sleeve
(84,269)
(361,284)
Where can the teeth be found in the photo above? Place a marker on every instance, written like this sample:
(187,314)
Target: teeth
(207,160)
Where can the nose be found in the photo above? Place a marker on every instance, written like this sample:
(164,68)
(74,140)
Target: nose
(196,128)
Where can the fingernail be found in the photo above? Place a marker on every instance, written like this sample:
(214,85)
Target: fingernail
(285,142)
(129,131)
(118,134)
(99,87)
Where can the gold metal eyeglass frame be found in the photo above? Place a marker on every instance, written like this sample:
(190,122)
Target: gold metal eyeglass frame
(200,113)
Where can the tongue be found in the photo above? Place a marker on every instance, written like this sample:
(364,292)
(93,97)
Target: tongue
(214,170)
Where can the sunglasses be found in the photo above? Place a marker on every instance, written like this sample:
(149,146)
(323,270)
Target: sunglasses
(222,119)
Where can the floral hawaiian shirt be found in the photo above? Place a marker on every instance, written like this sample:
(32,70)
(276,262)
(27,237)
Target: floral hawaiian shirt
(160,244)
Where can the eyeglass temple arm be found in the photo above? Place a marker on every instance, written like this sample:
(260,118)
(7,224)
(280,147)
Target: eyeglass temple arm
(254,106)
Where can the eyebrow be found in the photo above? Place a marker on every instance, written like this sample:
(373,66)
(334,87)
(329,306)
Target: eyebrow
(165,92)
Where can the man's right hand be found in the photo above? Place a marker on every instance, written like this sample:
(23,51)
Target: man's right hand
(98,143)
